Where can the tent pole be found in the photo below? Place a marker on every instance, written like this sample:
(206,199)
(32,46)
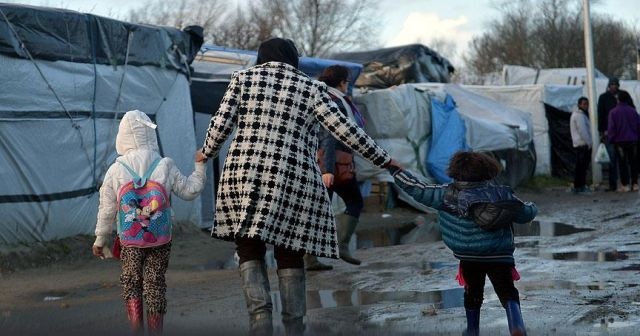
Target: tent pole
(591,86)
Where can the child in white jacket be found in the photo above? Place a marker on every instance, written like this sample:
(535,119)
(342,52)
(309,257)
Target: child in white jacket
(135,195)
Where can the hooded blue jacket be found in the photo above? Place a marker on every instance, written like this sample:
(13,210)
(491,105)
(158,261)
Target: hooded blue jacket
(463,236)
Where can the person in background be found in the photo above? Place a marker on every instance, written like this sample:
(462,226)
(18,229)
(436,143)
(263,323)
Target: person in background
(337,79)
(143,218)
(606,102)
(623,132)
(582,144)
(473,199)
(271,190)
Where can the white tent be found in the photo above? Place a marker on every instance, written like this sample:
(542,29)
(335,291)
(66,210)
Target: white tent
(61,99)
(532,99)
(400,120)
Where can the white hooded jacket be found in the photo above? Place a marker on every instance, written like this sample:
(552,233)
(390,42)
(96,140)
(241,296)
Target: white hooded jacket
(137,144)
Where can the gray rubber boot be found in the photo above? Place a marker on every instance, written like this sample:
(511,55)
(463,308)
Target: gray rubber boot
(255,285)
(346,225)
(311,263)
(293,295)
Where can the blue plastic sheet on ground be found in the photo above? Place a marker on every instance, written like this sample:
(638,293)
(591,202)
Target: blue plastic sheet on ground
(448,135)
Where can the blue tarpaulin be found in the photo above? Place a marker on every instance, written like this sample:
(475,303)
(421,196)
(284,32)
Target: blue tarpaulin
(448,134)
(309,65)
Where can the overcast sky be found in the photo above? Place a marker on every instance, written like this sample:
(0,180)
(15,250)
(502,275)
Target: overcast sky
(405,21)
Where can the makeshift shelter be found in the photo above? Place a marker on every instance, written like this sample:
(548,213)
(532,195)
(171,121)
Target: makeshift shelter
(414,63)
(521,75)
(67,79)
(550,107)
(213,67)
(423,124)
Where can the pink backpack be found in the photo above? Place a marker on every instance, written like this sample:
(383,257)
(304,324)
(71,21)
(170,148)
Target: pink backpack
(144,211)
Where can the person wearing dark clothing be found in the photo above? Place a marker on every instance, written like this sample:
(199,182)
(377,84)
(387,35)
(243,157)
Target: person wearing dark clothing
(623,132)
(606,102)
(337,79)
(582,144)
(482,251)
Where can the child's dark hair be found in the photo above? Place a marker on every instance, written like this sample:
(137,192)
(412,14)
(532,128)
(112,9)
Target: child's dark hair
(334,75)
(473,167)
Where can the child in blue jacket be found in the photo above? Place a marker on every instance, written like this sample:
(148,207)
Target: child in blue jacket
(483,251)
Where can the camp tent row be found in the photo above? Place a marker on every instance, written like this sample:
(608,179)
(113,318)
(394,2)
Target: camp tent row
(67,79)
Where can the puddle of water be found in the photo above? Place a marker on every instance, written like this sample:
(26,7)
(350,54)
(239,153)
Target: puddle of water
(448,298)
(616,324)
(380,237)
(600,256)
(558,284)
(546,229)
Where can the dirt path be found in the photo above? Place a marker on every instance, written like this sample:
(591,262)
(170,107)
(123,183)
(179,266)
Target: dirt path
(579,265)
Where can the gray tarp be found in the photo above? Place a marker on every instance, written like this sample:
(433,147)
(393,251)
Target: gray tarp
(59,114)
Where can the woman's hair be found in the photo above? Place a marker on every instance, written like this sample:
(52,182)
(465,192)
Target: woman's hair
(278,50)
(624,97)
(334,75)
(473,167)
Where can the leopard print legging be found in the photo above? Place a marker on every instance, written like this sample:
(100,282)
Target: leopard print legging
(142,276)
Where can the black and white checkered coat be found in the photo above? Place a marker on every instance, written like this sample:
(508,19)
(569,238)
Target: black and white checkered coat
(271,186)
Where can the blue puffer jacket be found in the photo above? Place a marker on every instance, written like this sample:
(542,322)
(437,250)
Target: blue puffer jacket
(464,237)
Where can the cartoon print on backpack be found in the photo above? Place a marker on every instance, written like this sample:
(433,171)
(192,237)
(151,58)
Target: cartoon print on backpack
(140,212)
(144,212)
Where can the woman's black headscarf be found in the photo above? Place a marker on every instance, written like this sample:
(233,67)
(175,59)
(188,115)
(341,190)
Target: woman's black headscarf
(278,50)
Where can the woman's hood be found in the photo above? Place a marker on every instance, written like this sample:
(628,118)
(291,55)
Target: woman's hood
(136,131)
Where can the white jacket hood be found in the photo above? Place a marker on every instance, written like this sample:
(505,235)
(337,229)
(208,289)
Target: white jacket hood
(136,131)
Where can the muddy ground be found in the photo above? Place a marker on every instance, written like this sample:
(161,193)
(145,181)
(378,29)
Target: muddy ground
(579,261)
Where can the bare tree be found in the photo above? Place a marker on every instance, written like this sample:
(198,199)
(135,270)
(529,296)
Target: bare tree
(549,34)
(181,13)
(320,27)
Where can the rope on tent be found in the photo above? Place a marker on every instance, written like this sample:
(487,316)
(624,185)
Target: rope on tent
(74,124)
(93,107)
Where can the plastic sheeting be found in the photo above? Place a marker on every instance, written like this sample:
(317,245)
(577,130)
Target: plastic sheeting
(64,35)
(53,162)
(414,63)
(532,99)
(400,118)
(521,75)
(447,137)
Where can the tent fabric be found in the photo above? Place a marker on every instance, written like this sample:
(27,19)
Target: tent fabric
(64,35)
(215,62)
(521,75)
(532,99)
(58,123)
(414,63)
(407,110)
(447,137)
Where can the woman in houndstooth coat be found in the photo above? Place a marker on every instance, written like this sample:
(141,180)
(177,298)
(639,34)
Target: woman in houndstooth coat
(271,189)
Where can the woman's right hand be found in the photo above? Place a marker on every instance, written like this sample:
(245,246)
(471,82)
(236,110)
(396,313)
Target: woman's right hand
(327,179)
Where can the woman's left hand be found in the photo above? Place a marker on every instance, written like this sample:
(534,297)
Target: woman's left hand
(327,179)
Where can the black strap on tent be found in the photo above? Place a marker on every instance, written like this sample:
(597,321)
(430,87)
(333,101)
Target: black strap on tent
(33,198)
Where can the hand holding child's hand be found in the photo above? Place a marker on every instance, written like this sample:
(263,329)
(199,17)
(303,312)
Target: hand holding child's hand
(97,251)
(327,179)
(200,157)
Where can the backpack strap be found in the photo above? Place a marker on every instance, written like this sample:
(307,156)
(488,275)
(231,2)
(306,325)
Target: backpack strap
(139,182)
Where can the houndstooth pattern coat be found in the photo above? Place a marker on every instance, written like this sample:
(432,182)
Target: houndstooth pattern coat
(271,186)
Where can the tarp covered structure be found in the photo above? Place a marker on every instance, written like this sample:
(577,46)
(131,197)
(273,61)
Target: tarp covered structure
(407,119)
(67,79)
(213,67)
(550,107)
(521,75)
(414,63)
